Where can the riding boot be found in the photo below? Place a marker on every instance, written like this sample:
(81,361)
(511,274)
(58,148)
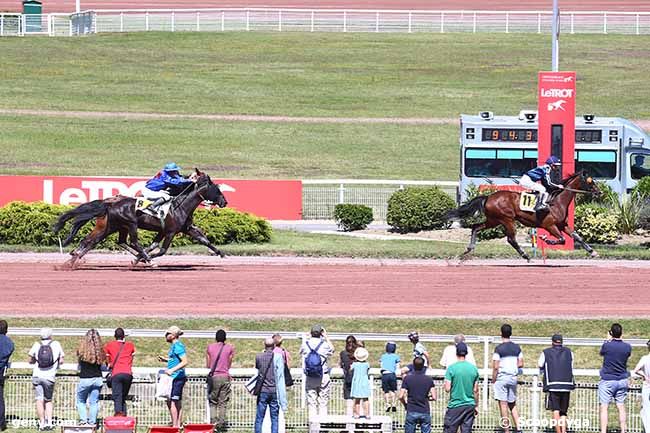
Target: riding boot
(156,203)
(541,202)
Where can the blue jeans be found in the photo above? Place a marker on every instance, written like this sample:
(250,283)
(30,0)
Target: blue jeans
(88,389)
(415,418)
(265,399)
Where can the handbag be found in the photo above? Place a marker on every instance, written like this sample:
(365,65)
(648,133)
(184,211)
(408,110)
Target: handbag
(109,376)
(214,367)
(254,384)
(288,379)
(164,386)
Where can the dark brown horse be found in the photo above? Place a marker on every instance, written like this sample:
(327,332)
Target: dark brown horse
(502,208)
(118,214)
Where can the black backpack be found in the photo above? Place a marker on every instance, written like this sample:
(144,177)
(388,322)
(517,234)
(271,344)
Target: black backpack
(45,357)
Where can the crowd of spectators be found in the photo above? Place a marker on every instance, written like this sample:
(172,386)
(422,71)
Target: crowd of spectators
(111,363)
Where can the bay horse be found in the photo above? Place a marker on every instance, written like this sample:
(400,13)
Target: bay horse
(119,214)
(502,208)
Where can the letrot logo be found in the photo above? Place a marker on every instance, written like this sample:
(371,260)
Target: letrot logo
(556,93)
(557,105)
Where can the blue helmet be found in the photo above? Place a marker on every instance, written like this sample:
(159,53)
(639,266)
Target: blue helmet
(171,167)
(553,160)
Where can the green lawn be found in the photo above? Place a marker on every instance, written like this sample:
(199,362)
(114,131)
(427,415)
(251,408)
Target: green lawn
(419,75)
(149,348)
(64,146)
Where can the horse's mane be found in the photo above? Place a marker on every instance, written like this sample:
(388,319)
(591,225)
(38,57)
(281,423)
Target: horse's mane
(570,178)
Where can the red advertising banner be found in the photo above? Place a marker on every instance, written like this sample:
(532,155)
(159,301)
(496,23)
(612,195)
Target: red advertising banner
(556,131)
(271,199)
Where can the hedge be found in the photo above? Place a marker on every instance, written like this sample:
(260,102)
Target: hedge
(352,217)
(414,209)
(596,224)
(31,224)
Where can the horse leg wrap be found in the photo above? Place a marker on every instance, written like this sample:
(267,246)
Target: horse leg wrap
(576,237)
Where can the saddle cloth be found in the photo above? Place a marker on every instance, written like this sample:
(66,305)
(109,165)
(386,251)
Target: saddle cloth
(527,201)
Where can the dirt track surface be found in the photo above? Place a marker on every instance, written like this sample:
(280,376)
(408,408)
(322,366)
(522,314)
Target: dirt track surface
(209,286)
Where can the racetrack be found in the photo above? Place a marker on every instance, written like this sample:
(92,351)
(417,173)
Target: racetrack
(257,286)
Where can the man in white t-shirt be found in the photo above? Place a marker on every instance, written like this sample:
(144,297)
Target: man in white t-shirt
(47,356)
(643,369)
(449,354)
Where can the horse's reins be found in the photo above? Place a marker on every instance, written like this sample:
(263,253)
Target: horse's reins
(580,191)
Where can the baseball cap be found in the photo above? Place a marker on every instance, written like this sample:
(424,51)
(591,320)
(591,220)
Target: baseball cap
(46,333)
(556,338)
(316,329)
(175,330)
(461,349)
(413,335)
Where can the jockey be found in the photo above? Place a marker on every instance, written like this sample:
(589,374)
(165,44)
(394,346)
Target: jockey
(542,173)
(157,188)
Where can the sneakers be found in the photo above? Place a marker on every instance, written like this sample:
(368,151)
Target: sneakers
(394,408)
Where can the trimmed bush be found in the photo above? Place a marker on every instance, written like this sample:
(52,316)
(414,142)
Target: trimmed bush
(472,192)
(31,224)
(604,199)
(352,217)
(596,224)
(414,209)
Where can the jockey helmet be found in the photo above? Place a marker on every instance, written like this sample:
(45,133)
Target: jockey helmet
(553,160)
(171,167)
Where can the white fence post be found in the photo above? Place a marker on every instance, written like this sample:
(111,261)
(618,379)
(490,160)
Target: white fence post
(341,193)
(146,21)
(535,403)
(198,21)
(2,25)
(248,20)
(539,23)
(280,20)
(572,24)
(474,23)
(376,22)
(173,21)
(71,29)
(605,22)
(486,374)
(637,24)
(121,22)
(507,22)
(345,21)
(410,21)
(312,22)
(223,21)
(442,22)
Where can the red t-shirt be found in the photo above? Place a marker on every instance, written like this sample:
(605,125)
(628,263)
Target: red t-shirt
(125,361)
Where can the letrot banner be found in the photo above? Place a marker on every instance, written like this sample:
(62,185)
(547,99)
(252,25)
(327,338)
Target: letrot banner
(271,199)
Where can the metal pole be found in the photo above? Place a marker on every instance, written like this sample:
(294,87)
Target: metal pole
(486,367)
(555,56)
(78,5)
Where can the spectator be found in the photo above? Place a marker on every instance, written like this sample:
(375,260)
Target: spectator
(613,383)
(643,369)
(46,355)
(556,363)
(506,364)
(449,354)
(91,357)
(360,383)
(419,351)
(461,382)
(176,362)
(270,367)
(346,360)
(389,363)
(286,356)
(218,359)
(317,378)
(119,357)
(6,349)
(417,390)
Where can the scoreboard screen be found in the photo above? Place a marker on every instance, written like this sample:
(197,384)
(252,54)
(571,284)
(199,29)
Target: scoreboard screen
(509,134)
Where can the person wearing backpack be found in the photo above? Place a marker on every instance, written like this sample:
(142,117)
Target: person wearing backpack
(315,353)
(46,355)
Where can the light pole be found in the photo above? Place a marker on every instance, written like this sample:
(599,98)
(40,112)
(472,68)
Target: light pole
(555,56)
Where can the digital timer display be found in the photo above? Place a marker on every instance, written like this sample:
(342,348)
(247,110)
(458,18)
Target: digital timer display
(509,134)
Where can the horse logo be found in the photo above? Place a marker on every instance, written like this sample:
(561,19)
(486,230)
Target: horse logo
(557,105)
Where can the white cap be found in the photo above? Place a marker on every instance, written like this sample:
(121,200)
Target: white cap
(46,333)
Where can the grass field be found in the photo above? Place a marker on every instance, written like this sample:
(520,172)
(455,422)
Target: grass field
(149,348)
(294,74)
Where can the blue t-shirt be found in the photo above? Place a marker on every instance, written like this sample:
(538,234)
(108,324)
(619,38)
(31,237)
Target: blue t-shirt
(176,350)
(389,362)
(418,386)
(615,354)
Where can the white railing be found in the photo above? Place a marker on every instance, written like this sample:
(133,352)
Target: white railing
(319,197)
(331,20)
(241,412)
(378,21)
(46,24)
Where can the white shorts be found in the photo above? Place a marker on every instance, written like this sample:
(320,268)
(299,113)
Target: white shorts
(528,183)
(152,195)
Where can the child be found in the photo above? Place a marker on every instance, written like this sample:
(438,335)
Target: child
(360,383)
(389,365)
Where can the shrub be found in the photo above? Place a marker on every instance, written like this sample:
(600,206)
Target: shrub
(596,224)
(31,224)
(416,209)
(604,199)
(642,188)
(352,217)
(472,192)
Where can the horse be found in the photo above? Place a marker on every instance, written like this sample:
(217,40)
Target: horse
(502,208)
(119,214)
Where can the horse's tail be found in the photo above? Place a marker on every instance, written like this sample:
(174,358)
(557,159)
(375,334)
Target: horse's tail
(472,208)
(81,214)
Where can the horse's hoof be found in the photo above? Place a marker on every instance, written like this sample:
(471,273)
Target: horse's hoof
(594,254)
